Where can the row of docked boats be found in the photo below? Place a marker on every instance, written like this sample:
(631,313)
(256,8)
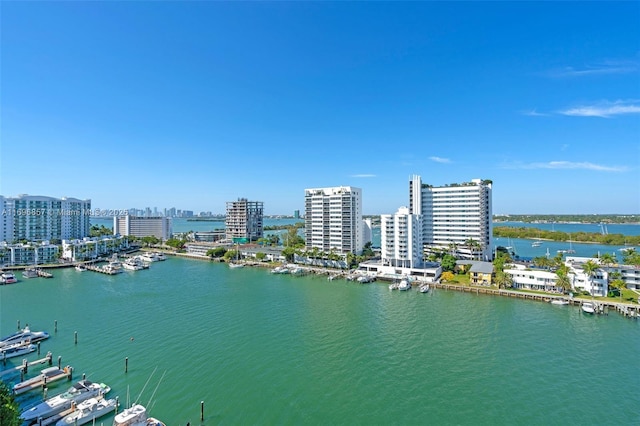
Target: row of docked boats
(20,343)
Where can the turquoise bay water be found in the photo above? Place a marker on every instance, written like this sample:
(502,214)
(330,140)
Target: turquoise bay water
(259,348)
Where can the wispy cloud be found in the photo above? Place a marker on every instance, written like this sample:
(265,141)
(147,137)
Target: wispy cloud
(568,165)
(534,113)
(440,159)
(604,109)
(363,175)
(603,68)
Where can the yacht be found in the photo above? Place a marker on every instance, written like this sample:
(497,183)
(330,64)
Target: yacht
(560,302)
(150,257)
(29,273)
(79,392)
(404,285)
(46,376)
(8,278)
(17,349)
(80,268)
(135,415)
(88,411)
(133,264)
(23,336)
(424,288)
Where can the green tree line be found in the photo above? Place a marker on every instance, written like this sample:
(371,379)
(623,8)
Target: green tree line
(580,237)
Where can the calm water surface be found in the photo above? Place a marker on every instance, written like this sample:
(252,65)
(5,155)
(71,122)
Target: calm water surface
(259,348)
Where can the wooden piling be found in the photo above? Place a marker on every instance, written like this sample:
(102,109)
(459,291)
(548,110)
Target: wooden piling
(38,348)
(55,326)
(126,364)
(59,362)
(75,337)
(18,324)
(201,411)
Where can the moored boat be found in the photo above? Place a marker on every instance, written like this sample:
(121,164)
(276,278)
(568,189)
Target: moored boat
(588,308)
(46,376)
(80,268)
(560,302)
(8,278)
(29,273)
(133,264)
(404,285)
(17,349)
(424,288)
(77,393)
(234,265)
(23,336)
(135,415)
(89,410)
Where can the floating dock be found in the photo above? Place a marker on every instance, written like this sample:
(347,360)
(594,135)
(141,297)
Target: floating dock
(46,376)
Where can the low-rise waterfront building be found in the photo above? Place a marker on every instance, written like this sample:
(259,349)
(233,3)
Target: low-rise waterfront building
(28,254)
(93,248)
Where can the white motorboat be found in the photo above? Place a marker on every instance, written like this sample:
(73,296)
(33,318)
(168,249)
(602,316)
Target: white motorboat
(364,279)
(89,410)
(17,349)
(560,302)
(77,393)
(424,288)
(160,256)
(149,257)
(133,264)
(46,376)
(536,244)
(135,415)
(280,270)
(80,268)
(234,265)
(29,273)
(404,285)
(23,336)
(588,308)
(393,286)
(8,278)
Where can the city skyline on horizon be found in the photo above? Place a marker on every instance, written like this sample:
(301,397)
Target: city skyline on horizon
(131,104)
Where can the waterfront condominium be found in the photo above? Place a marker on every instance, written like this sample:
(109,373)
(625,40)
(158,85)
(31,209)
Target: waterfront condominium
(333,219)
(40,218)
(401,239)
(455,217)
(159,226)
(244,221)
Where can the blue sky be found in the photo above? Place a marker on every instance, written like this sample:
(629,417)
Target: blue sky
(192,104)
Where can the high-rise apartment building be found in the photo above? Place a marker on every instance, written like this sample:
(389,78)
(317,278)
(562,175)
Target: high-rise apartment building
(40,218)
(244,220)
(333,219)
(455,217)
(401,239)
(159,227)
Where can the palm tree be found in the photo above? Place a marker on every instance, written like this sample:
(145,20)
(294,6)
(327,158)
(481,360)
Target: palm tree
(564,282)
(590,268)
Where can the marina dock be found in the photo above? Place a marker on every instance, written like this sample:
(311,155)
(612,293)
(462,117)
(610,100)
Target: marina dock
(25,365)
(100,269)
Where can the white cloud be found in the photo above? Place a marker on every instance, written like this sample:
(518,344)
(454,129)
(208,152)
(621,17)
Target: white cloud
(568,165)
(604,68)
(363,175)
(534,113)
(604,109)
(440,159)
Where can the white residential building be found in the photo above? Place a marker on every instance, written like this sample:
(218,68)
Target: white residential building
(333,219)
(28,254)
(136,226)
(40,218)
(244,220)
(92,248)
(524,277)
(401,239)
(453,215)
